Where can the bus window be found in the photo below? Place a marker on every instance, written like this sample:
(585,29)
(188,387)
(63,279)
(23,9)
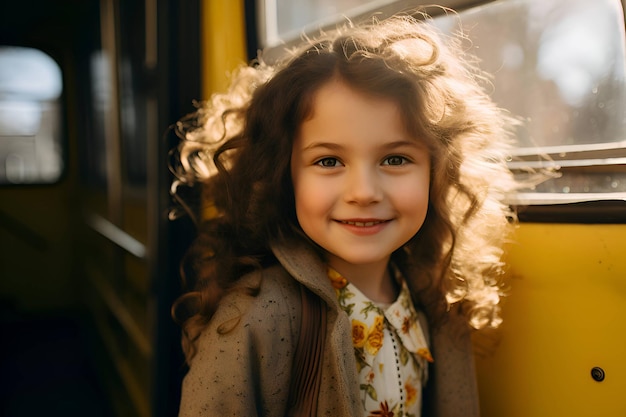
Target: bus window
(30,117)
(560,66)
(281,20)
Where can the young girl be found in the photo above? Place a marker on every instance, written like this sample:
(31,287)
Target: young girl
(369,168)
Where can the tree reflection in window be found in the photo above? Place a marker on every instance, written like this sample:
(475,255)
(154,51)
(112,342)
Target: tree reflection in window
(559,64)
(560,67)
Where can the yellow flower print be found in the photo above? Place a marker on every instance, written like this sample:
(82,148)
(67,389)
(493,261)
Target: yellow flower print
(407,323)
(425,353)
(338,282)
(359,334)
(375,338)
(411,393)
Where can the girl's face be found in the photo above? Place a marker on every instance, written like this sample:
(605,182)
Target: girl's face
(360,181)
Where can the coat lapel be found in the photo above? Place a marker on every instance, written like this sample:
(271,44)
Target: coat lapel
(339,394)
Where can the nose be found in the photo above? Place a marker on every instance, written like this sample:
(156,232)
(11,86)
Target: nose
(363,186)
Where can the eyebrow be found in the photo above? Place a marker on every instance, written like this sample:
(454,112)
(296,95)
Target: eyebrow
(405,143)
(326,145)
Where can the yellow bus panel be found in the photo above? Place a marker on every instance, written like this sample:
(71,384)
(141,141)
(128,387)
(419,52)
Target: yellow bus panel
(564,324)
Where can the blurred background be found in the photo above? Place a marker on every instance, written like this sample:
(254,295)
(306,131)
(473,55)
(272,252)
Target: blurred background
(88,257)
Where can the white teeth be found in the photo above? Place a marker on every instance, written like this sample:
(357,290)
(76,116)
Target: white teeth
(361,224)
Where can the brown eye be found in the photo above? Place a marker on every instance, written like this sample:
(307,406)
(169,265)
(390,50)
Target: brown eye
(328,162)
(394,160)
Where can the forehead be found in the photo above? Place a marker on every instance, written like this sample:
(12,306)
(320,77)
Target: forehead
(337,101)
(343,117)
(336,106)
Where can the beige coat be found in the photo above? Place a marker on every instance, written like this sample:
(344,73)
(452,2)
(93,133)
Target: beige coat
(243,363)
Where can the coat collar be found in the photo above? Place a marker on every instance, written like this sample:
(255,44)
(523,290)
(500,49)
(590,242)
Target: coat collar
(306,266)
(339,370)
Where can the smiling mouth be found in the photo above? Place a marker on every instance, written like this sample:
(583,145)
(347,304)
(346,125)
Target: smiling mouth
(362,224)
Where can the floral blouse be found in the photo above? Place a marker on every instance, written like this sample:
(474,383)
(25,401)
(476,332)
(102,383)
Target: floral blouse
(390,350)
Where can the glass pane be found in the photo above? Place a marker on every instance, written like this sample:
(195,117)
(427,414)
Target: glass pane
(94,160)
(133,93)
(558,64)
(30,117)
(285,20)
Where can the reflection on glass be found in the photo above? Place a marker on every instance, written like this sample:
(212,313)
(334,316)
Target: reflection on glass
(560,67)
(95,167)
(558,64)
(30,91)
(285,20)
(134,97)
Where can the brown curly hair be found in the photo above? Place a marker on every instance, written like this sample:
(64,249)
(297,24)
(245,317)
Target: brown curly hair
(238,147)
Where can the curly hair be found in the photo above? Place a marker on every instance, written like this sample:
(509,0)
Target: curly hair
(237,146)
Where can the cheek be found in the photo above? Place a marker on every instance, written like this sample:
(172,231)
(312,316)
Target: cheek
(310,199)
(416,207)
(413,194)
(308,214)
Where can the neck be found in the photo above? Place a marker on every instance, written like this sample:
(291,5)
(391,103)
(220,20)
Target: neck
(373,280)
